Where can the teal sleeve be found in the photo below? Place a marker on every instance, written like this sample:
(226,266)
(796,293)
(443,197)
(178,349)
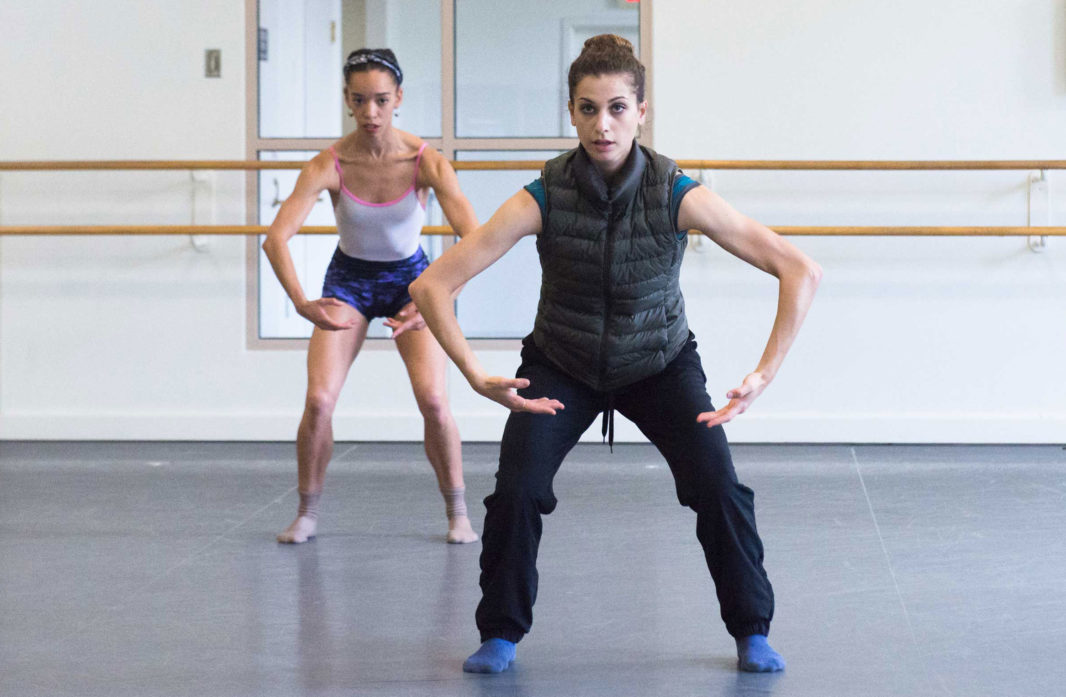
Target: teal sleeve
(536,189)
(682,185)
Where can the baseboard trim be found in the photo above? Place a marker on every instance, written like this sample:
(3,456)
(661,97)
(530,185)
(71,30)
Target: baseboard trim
(976,428)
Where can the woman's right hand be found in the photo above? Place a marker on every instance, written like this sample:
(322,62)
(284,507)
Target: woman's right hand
(505,391)
(318,313)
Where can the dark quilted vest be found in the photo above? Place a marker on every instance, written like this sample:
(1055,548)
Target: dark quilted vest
(611,311)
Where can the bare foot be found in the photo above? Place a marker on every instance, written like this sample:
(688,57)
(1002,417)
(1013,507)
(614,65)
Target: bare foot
(301,530)
(460,532)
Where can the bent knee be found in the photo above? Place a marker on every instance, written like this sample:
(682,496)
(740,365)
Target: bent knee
(723,493)
(320,404)
(522,494)
(434,406)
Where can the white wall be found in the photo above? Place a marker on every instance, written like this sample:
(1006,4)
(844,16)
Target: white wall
(909,340)
(938,340)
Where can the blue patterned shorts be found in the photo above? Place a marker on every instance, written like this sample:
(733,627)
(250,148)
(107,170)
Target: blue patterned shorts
(375,288)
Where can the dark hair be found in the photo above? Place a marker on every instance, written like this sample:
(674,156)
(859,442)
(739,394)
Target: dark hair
(366,58)
(608,54)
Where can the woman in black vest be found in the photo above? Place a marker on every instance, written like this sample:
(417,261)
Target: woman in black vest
(610,333)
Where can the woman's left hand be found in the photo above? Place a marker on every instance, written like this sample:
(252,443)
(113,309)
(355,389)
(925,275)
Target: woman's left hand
(740,398)
(407,319)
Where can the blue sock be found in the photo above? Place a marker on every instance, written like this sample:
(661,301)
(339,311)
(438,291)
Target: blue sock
(494,656)
(754,655)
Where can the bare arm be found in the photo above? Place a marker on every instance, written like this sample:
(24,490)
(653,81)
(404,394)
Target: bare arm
(797,274)
(437,173)
(433,291)
(315,178)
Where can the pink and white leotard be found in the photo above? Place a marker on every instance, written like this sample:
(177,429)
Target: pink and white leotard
(388,231)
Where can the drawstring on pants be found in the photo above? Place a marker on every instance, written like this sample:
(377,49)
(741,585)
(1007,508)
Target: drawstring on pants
(607,428)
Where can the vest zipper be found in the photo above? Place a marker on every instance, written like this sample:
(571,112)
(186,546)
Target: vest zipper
(608,260)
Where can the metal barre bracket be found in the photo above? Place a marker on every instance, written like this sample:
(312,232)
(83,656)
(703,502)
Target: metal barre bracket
(1038,212)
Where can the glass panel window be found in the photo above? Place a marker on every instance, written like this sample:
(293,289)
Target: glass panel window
(411,28)
(302,45)
(501,301)
(278,318)
(511,66)
(299,68)
(510,62)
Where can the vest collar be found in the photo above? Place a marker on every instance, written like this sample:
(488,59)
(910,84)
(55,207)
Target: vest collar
(593,187)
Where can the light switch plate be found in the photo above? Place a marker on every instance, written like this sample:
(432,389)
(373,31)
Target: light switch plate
(213,62)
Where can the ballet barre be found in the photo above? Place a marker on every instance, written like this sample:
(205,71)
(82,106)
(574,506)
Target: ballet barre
(496,165)
(790,230)
(1037,234)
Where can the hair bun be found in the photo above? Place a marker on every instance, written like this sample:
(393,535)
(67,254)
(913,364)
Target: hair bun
(607,54)
(608,42)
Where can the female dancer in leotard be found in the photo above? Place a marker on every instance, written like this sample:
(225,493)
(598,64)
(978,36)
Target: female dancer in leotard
(379,179)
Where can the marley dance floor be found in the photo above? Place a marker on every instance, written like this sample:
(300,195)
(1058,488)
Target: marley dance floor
(151,569)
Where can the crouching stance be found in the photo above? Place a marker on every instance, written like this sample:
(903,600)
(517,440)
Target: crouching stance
(378,179)
(611,334)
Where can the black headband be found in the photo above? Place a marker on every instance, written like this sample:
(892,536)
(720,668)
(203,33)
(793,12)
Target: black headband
(364,58)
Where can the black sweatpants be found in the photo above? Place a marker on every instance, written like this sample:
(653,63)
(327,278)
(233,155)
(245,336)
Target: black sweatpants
(664,407)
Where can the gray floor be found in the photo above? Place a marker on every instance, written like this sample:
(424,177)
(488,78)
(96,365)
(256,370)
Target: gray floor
(150,569)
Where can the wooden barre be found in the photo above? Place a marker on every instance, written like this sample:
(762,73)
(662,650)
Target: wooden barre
(792,230)
(81,165)
(492,165)
(918,231)
(150,230)
(787,165)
